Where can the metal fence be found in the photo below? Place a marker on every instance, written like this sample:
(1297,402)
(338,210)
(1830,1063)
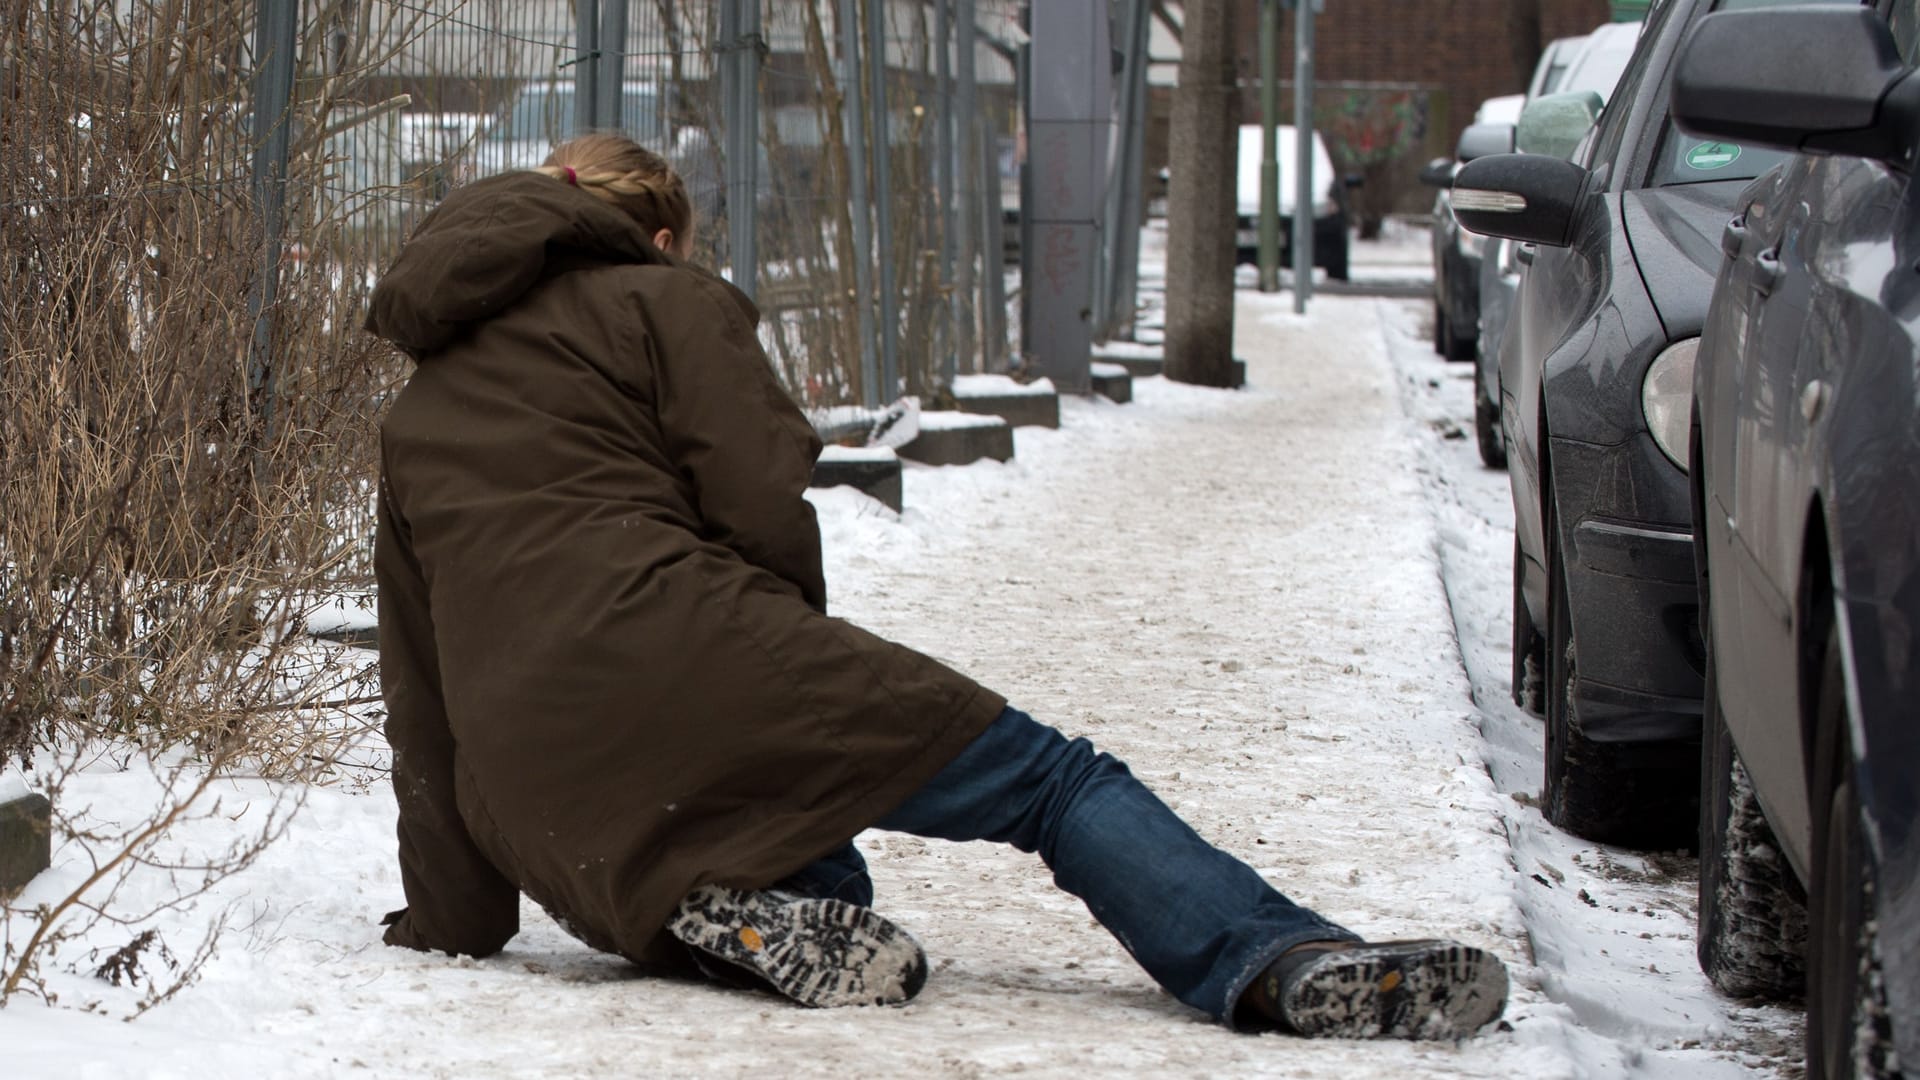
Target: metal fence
(872,256)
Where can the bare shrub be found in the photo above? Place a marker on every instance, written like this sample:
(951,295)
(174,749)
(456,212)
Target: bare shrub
(180,447)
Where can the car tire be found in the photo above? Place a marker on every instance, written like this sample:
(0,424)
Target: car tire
(1529,680)
(1486,429)
(1441,335)
(1461,349)
(1751,934)
(1849,1035)
(1336,263)
(1631,794)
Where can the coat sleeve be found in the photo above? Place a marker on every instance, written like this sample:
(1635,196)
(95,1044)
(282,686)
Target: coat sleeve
(457,902)
(731,428)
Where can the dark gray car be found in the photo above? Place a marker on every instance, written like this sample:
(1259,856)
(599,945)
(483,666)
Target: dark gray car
(1596,386)
(1806,481)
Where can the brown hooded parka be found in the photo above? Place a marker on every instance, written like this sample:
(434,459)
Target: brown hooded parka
(608,669)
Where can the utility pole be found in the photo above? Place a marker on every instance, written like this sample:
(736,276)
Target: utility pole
(1069,105)
(1269,146)
(1200,200)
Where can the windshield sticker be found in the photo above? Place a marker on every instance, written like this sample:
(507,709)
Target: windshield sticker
(1714,155)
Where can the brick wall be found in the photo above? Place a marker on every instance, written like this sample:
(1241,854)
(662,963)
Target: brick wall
(1465,50)
(1448,54)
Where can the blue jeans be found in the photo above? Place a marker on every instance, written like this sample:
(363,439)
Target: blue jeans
(1200,921)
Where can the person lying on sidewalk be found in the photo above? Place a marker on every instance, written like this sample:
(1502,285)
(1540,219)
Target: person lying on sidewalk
(612,683)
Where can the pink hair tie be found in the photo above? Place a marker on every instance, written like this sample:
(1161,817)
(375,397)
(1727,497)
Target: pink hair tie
(572,177)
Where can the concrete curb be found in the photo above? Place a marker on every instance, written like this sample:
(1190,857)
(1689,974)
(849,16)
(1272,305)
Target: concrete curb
(874,472)
(26,841)
(1034,404)
(1113,382)
(945,443)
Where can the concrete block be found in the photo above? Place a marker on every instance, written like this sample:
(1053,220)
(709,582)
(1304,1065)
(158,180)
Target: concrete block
(1034,404)
(360,637)
(949,438)
(874,471)
(26,840)
(1139,364)
(1113,382)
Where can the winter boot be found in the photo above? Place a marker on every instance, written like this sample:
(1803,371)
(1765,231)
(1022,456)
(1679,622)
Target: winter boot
(1389,989)
(821,953)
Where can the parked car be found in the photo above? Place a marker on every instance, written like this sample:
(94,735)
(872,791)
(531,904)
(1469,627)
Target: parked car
(543,112)
(1592,62)
(1555,59)
(1594,398)
(1329,209)
(1457,252)
(1805,451)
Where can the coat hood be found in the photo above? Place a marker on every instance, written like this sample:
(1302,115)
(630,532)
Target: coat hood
(486,245)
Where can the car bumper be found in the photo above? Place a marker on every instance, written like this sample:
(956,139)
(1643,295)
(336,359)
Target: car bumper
(1635,601)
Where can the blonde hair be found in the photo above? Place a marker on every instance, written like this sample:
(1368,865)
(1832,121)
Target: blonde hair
(621,172)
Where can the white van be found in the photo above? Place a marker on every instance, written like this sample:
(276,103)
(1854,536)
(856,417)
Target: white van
(1329,208)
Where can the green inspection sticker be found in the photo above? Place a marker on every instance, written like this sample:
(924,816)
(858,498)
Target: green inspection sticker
(1714,155)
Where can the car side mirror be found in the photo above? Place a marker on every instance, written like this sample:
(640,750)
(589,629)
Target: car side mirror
(1554,125)
(1479,140)
(1532,198)
(1438,172)
(1824,80)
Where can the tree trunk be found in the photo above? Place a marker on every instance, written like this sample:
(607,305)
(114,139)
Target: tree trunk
(1200,200)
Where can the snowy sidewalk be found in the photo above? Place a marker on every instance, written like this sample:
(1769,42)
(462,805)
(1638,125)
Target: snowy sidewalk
(1237,592)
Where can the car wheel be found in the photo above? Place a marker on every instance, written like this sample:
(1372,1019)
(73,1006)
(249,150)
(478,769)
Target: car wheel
(1337,262)
(1486,428)
(1440,333)
(1461,349)
(1529,648)
(1751,936)
(1849,1035)
(1632,794)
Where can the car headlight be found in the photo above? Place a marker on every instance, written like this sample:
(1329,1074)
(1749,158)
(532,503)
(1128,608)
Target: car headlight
(1666,397)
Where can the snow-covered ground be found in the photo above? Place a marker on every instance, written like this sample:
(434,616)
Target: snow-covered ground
(1251,596)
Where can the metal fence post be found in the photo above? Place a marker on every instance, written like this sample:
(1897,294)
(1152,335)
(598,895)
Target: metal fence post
(739,57)
(883,200)
(611,58)
(586,62)
(857,181)
(274,43)
(993,281)
(943,172)
(968,202)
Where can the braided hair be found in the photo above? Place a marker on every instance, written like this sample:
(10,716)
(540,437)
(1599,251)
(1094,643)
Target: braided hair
(621,172)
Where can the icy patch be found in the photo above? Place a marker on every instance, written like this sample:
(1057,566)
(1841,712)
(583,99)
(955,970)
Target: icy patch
(999,386)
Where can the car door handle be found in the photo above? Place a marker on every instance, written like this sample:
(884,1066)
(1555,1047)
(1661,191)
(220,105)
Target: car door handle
(1767,271)
(1734,238)
(1524,254)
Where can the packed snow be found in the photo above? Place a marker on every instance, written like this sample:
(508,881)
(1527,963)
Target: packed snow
(1284,606)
